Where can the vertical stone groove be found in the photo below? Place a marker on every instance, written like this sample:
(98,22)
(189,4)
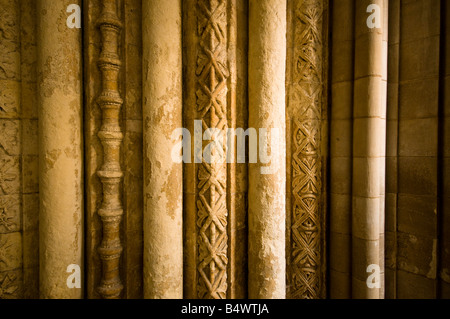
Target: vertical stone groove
(111,137)
(341,153)
(305,111)
(212,213)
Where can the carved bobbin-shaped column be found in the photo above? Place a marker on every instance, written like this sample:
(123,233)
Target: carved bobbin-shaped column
(111,137)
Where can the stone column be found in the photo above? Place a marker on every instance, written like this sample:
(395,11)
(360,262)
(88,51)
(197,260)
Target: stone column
(111,137)
(369,148)
(341,131)
(163,178)
(306,98)
(60,150)
(267,187)
(214,190)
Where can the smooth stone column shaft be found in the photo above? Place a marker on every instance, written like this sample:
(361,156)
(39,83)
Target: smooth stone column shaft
(267,192)
(60,150)
(163,178)
(369,151)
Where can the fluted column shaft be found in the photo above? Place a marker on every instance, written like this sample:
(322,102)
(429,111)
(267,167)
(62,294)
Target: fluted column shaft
(60,150)
(267,192)
(163,178)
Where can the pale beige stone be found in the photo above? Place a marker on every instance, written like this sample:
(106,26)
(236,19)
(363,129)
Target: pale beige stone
(369,148)
(163,178)
(266,216)
(60,151)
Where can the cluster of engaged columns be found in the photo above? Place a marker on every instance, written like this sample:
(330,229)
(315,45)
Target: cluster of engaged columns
(358,137)
(196,217)
(212,249)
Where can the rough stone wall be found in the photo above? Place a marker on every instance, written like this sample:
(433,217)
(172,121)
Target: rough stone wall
(19,168)
(416,214)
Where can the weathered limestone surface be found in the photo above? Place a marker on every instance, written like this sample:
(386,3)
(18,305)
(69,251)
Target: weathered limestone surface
(159,229)
(267,192)
(60,150)
(306,112)
(11,263)
(163,178)
(19,200)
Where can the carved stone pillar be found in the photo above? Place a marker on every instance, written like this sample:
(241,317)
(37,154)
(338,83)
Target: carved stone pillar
(163,178)
(369,150)
(267,186)
(60,150)
(306,112)
(111,136)
(214,191)
(112,64)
